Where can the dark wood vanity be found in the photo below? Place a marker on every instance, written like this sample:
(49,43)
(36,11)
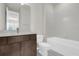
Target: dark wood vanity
(19,45)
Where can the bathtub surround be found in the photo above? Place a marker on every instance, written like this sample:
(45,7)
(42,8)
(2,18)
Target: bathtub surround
(63,21)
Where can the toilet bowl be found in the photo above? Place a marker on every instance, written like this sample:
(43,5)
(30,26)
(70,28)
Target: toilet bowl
(42,47)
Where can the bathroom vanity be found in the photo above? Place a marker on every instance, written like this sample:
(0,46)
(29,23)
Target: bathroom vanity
(18,45)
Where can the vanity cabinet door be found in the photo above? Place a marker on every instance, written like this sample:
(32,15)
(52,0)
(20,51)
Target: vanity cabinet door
(3,40)
(4,50)
(14,49)
(28,47)
(10,50)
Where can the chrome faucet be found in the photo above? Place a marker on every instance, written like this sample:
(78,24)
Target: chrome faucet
(17,30)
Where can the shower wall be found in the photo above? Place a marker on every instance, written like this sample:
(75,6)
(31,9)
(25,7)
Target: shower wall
(63,21)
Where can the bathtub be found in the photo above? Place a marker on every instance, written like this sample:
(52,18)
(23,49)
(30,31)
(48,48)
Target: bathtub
(63,46)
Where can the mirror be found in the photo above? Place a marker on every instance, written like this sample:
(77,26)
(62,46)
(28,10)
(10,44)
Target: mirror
(14,17)
(12,20)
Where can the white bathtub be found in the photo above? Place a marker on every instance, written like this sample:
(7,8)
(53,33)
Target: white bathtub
(63,46)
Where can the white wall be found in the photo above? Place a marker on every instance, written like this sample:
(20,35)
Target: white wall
(2,17)
(50,20)
(37,18)
(25,19)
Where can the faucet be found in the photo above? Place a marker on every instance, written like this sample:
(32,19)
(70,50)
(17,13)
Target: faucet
(17,30)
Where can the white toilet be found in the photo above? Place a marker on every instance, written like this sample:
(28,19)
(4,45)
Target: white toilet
(42,47)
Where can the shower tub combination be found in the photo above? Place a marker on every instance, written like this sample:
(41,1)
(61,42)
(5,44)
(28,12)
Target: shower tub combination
(63,46)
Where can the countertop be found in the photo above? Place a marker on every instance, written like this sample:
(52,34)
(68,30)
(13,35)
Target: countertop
(3,34)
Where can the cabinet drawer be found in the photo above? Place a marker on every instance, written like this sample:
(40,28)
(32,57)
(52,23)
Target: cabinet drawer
(14,39)
(3,40)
